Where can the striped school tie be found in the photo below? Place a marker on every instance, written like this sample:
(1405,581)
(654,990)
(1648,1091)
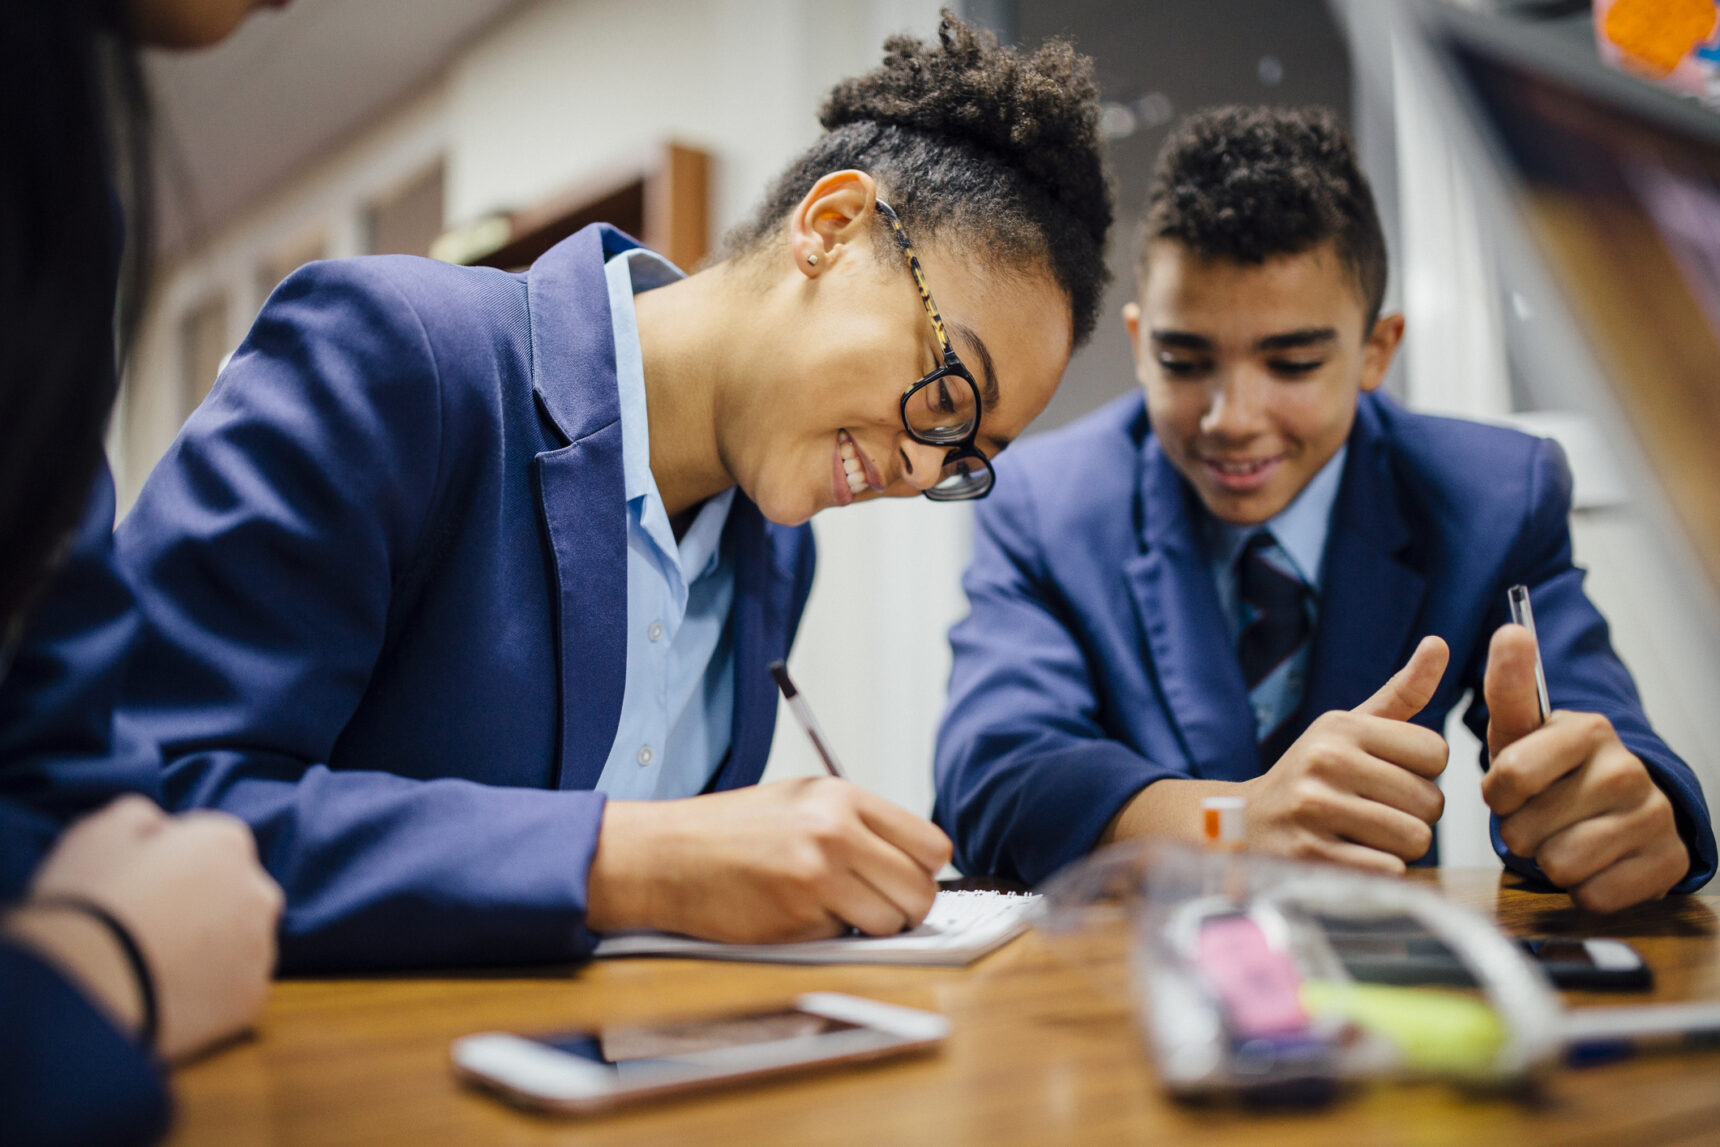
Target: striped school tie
(1273,646)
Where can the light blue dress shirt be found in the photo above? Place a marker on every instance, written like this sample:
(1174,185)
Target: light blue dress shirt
(1300,531)
(677,710)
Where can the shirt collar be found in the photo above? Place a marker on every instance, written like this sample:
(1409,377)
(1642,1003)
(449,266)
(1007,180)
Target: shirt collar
(628,273)
(1300,528)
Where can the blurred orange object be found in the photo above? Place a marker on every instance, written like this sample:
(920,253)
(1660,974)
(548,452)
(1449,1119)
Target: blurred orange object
(1657,34)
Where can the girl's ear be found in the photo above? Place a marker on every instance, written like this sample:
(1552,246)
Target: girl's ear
(823,228)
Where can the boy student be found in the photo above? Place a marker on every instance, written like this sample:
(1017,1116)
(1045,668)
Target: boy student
(1206,588)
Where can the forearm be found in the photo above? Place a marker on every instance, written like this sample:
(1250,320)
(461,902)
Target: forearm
(388,872)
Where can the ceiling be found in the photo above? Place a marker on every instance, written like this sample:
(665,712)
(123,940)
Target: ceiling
(289,85)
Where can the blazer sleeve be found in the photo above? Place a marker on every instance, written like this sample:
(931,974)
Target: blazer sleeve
(1583,672)
(1026,776)
(67,1075)
(264,548)
(63,752)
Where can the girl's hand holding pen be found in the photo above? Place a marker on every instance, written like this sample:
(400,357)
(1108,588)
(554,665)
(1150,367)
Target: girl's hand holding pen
(793,860)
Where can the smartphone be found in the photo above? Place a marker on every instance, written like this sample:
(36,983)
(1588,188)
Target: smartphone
(1603,965)
(1398,950)
(590,1071)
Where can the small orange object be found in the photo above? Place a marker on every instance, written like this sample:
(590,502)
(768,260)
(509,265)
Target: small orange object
(1222,822)
(1657,34)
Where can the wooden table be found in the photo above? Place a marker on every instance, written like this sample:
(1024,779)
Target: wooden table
(1043,1051)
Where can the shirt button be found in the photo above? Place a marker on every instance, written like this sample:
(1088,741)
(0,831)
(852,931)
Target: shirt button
(655,632)
(644,755)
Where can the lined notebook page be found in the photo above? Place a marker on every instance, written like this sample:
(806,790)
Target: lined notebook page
(961,927)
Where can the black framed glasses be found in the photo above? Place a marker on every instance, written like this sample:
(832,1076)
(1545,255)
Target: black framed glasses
(943,408)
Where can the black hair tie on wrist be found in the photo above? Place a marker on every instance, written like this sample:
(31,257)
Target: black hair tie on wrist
(146,1030)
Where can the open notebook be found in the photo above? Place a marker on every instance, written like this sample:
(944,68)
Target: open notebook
(961,927)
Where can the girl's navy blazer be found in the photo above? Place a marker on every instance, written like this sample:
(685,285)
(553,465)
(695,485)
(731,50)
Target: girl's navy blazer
(383,572)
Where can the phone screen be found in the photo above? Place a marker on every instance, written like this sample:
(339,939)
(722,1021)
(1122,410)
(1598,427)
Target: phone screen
(1560,952)
(622,1046)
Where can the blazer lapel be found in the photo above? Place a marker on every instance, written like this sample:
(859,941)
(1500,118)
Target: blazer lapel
(1178,607)
(582,498)
(1370,594)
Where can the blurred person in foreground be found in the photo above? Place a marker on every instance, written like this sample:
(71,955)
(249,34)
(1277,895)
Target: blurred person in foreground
(461,585)
(128,938)
(1205,587)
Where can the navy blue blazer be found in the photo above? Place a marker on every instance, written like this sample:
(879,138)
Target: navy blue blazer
(67,1075)
(384,576)
(62,751)
(1096,660)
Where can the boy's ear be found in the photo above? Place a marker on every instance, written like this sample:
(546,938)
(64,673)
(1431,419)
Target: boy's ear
(1381,347)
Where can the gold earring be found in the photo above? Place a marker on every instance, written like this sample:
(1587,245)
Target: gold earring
(812,260)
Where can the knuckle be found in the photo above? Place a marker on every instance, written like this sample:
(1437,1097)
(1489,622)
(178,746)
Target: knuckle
(1325,756)
(1308,799)
(1597,897)
(1555,869)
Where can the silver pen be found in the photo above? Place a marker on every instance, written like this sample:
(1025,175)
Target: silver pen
(803,713)
(1522,614)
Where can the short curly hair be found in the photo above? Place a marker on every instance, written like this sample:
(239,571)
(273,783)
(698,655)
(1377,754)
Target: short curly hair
(1252,183)
(974,141)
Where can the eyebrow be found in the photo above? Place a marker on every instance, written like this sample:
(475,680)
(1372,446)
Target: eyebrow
(1292,340)
(1289,340)
(988,382)
(988,391)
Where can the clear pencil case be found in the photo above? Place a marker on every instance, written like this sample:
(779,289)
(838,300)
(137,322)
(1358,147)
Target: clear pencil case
(1240,973)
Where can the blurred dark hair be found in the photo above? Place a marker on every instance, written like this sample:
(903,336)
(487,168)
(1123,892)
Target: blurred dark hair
(1250,184)
(970,142)
(74,137)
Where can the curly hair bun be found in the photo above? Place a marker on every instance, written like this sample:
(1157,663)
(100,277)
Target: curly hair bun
(1039,112)
(969,139)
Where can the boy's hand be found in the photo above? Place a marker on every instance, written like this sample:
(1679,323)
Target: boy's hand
(1358,787)
(1569,794)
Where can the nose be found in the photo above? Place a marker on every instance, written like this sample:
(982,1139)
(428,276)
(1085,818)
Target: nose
(922,465)
(1235,408)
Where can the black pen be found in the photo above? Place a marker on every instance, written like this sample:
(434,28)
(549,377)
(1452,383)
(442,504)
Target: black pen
(803,713)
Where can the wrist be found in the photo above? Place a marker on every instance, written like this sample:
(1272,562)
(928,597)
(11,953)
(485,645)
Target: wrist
(87,952)
(621,886)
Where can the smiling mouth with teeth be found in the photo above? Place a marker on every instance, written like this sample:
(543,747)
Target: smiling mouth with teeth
(853,467)
(1239,468)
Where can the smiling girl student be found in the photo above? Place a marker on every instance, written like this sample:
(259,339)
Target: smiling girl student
(462,584)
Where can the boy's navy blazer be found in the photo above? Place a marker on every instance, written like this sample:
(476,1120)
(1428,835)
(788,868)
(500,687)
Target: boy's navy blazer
(383,571)
(1096,659)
